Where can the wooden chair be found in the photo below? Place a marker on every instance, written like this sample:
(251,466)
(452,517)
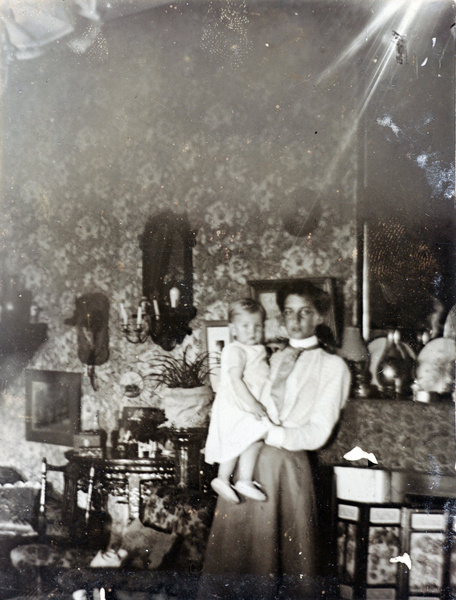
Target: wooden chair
(51,551)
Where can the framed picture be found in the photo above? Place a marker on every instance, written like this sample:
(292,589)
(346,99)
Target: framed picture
(216,334)
(265,290)
(53,402)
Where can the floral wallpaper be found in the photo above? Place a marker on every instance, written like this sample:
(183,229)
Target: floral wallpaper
(153,118)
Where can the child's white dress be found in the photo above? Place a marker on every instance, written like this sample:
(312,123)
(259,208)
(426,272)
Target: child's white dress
(232,429)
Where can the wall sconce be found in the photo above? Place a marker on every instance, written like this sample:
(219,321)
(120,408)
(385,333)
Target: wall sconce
(167,326)
(166,307)
(135,328)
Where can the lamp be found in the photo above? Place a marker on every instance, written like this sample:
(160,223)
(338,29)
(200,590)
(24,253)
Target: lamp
(354,351)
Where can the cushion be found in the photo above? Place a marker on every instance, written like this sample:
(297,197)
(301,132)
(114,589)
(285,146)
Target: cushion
(34,555)
(9,475)
(27,556)
(187,514)
(18,506)
(162,510)
(146,547)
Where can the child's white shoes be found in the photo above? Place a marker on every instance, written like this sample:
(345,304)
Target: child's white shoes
(249,490)
(224,489)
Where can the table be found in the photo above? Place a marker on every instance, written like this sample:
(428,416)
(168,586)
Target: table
(122,475)
(113,475)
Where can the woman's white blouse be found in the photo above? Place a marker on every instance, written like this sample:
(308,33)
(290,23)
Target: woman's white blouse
(316,391)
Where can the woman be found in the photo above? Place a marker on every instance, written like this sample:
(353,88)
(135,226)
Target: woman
(266,550)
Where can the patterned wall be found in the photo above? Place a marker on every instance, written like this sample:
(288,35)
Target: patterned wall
(166,110)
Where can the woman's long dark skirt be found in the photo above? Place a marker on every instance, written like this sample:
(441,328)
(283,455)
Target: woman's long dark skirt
(266,550)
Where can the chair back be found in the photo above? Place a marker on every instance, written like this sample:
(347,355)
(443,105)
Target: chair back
(43,500)
(41,524)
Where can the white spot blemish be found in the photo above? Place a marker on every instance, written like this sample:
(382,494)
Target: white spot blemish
(357,453)
(405,559)
(422,160)
(424,62)
(433,42)
(440,179)
(387,121)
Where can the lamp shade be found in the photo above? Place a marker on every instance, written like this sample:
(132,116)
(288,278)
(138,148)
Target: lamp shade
(353,346)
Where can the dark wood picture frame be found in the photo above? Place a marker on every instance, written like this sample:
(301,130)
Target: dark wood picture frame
(53,406)
(264,290)
(215,334)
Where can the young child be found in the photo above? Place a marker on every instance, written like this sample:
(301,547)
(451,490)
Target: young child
(239,422)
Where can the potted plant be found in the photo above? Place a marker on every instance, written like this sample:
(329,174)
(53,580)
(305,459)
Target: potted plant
(186,394)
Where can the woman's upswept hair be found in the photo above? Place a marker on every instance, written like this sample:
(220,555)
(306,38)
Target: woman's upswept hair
(245,305)
(318,297)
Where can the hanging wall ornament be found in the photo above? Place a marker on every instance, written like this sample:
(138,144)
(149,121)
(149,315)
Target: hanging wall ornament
(132,384)
(91,318)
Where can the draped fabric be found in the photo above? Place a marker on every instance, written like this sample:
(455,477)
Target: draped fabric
(266,550)
(290,356)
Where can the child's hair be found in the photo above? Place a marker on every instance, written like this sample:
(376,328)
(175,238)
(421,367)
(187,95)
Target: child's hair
(247,305)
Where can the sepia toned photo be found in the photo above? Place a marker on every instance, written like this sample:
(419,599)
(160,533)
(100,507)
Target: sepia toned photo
(227,300)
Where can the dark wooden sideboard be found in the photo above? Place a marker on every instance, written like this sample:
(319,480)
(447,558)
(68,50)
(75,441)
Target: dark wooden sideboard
(113,475)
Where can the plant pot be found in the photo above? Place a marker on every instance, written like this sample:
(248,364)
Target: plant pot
(187,407)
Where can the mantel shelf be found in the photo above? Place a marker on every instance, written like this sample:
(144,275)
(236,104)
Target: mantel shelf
(21,338)
(402,434)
